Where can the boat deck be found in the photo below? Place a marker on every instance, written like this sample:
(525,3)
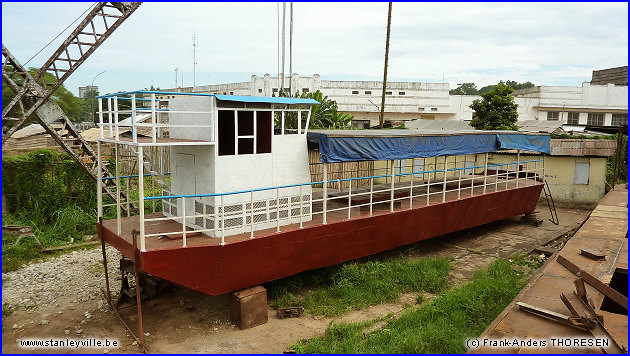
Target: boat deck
(337,211)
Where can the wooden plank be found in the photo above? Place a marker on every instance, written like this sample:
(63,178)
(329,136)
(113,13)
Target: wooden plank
(590,279)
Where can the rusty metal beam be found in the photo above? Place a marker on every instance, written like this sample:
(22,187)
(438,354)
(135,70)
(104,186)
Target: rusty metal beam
(124,11)
(590,279)
(551,315)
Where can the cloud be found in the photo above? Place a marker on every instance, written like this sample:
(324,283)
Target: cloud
(546,43)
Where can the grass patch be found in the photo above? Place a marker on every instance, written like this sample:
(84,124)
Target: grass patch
(359,284)
(440,326)
(525,260)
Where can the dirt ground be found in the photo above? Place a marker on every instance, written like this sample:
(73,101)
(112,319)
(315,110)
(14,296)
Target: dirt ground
(184,321)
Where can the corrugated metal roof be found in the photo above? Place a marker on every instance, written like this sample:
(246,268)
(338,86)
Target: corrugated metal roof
(422,124)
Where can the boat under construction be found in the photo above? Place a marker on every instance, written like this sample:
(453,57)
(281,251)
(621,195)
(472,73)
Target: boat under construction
(216,193)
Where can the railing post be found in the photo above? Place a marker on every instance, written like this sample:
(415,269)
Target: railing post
(100,116)
(429,188)
(459,182)
(349,198)
(215,208)
(301,206)
(109,115)
(128,197)
(184,221)
(153,119)
(282,123)
(518,166)
(391,194)
(411,183)
(251,214)
(444,182)
(485,174)
(141,197)
(371,193)
(222,222)
(118,213)
(117,131)
(134,132)
(277,209)
(496,180)
(472,180)
(325,176)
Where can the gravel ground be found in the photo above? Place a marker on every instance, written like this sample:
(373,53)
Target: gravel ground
(64,281)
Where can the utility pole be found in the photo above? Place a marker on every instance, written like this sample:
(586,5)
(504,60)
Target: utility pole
(389,23)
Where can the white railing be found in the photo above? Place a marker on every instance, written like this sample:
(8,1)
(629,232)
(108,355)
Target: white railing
(113,121)
(312,203)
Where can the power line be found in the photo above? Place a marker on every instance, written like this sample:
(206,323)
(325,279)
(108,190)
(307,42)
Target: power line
(60,33)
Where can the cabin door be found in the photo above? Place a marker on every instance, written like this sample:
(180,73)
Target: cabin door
(186,174)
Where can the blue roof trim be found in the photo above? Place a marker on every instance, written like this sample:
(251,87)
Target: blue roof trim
(239,98)
(377,148)
(266,99)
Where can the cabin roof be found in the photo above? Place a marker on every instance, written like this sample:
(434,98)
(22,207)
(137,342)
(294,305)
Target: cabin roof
(238,98)
(376,145)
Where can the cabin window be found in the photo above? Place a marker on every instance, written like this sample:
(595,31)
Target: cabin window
(244,132)
(388,93)
(433,109)
(401,93)
(305,90)
(260,90)
(275,90)
(368,92)
(226,133)
(355,92)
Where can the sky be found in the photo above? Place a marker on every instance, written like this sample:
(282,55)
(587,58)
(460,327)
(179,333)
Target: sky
(545,43)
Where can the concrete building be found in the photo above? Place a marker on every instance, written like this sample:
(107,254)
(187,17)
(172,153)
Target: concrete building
(590,104)
(85,89)
(575,170)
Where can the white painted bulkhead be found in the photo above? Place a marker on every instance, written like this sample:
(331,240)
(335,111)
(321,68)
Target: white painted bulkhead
(201,170)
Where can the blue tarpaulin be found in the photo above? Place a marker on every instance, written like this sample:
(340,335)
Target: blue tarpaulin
(376,145)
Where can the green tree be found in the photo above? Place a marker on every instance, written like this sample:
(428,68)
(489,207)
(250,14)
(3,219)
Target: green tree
(323,116)
(514,85)
(465,89)
(70,104)
(496,110)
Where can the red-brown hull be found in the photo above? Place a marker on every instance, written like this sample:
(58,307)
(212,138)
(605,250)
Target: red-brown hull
(219,269)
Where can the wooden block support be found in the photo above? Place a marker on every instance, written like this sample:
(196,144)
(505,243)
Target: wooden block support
(248,307)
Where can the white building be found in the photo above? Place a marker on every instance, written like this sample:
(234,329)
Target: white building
(593,105)
(587,105)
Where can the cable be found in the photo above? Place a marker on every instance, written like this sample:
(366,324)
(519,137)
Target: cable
(64,30)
